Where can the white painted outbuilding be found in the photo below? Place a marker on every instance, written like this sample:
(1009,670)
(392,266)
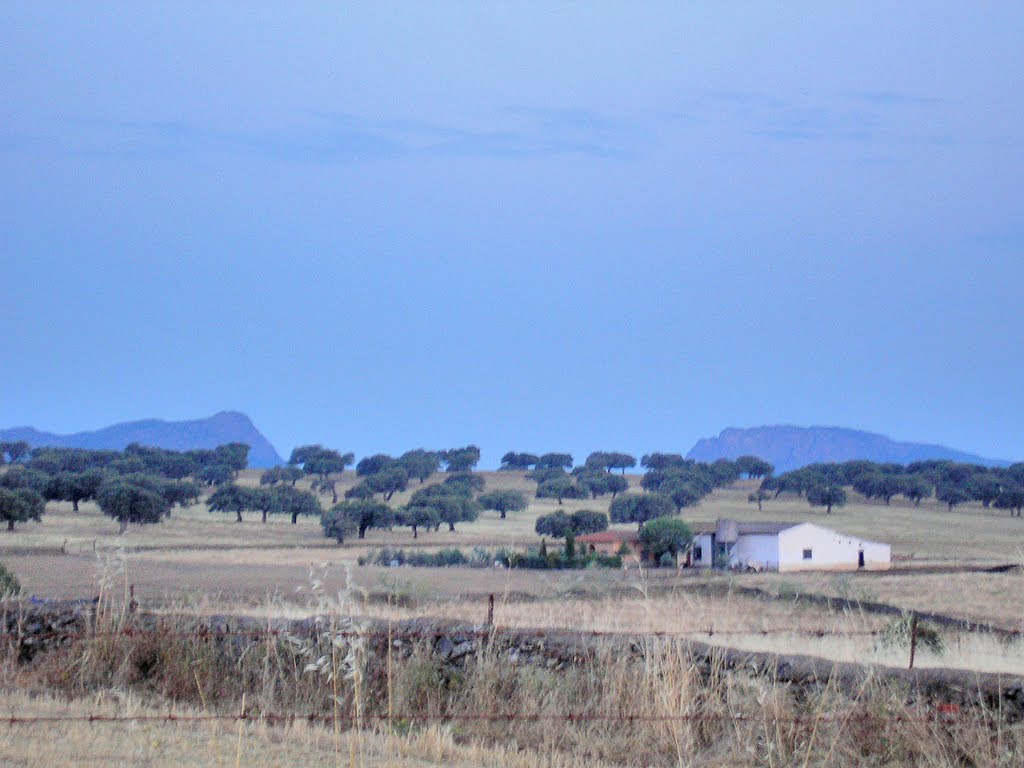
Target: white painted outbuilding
(785,547)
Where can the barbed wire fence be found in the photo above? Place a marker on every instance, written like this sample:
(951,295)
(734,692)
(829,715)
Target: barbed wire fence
(934,712)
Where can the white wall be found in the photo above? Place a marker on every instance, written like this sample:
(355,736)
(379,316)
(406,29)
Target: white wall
(756,548)
(707,557)
(829,550)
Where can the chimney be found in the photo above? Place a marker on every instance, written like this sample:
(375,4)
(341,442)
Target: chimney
(727,531)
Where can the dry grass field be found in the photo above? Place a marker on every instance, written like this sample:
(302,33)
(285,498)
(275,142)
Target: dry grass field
(153,742)
(201,563)
(206,562)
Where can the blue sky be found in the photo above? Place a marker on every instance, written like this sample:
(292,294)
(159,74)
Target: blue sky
(529,226)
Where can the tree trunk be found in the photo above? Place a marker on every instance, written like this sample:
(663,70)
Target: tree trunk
(238,512)
(362,531)
(264,517)
(10,524)
(341,539)
(415,533)
(124,527)
(759,506)
(295,517)
(334,494)
(74,504)
(828,509)
(451,527)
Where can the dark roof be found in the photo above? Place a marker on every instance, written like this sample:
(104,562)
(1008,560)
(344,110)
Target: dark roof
(748,529)
(763,528)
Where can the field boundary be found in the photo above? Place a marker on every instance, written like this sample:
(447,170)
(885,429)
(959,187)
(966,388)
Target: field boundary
(32,630)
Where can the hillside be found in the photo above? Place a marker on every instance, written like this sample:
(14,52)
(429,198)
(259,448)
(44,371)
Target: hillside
(223,427)
(789,447)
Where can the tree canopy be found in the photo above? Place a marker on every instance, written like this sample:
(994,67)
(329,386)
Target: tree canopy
(14,451)
(320,461)
(420,463)
(416,516)
(286,474)
(19,505)
(561,461)
(753,467)
(232,498)
(355,516)
(518,461)
(640,507)
(294,502)
(75,487)
(460,459)
(560,487)
(827,496)
(559,524)
(665,535)
(610,460)
(128,502)
(504,501)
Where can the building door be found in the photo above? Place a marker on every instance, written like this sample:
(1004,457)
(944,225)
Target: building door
(860,559)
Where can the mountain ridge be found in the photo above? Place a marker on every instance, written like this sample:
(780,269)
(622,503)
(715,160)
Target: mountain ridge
(222,427)
(790,447)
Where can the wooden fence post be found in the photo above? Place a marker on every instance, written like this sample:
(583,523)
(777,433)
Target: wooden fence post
(490,610)
(913,638)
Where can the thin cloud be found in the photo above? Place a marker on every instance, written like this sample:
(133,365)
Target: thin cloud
(895,99)
(318,136)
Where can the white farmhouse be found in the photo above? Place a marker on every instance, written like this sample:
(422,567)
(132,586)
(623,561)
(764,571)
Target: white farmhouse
(784,547)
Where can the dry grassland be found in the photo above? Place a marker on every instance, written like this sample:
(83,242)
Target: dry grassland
(206,561)
(157,743)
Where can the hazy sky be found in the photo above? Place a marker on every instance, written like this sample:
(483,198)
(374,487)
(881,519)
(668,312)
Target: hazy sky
(533,227)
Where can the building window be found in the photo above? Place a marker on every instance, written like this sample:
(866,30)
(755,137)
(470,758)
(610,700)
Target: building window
(698,554)
(807,554)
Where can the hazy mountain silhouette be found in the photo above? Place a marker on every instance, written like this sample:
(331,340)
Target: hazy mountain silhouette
(223,427)
(789,447)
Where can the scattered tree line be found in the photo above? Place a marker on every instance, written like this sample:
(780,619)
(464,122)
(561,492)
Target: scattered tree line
(670,482)
(952,483)
(139,485)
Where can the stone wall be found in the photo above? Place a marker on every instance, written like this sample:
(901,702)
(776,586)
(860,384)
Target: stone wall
(33,629)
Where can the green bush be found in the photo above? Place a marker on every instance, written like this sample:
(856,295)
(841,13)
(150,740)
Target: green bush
(896,634)
(482,558)
(8,583)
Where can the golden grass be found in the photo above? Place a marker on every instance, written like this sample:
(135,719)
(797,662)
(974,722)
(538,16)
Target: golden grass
(197,557)
(656,708)
(737,621)
(163,744)
(993,598)
(928,532)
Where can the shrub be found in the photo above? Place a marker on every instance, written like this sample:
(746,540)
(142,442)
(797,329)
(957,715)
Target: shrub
(482,558)
(9,584)
(896,634)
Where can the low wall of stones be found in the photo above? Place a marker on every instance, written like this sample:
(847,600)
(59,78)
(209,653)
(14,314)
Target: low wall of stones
(33,629)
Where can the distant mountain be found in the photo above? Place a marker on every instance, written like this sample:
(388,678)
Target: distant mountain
(223,427)
(791,447)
